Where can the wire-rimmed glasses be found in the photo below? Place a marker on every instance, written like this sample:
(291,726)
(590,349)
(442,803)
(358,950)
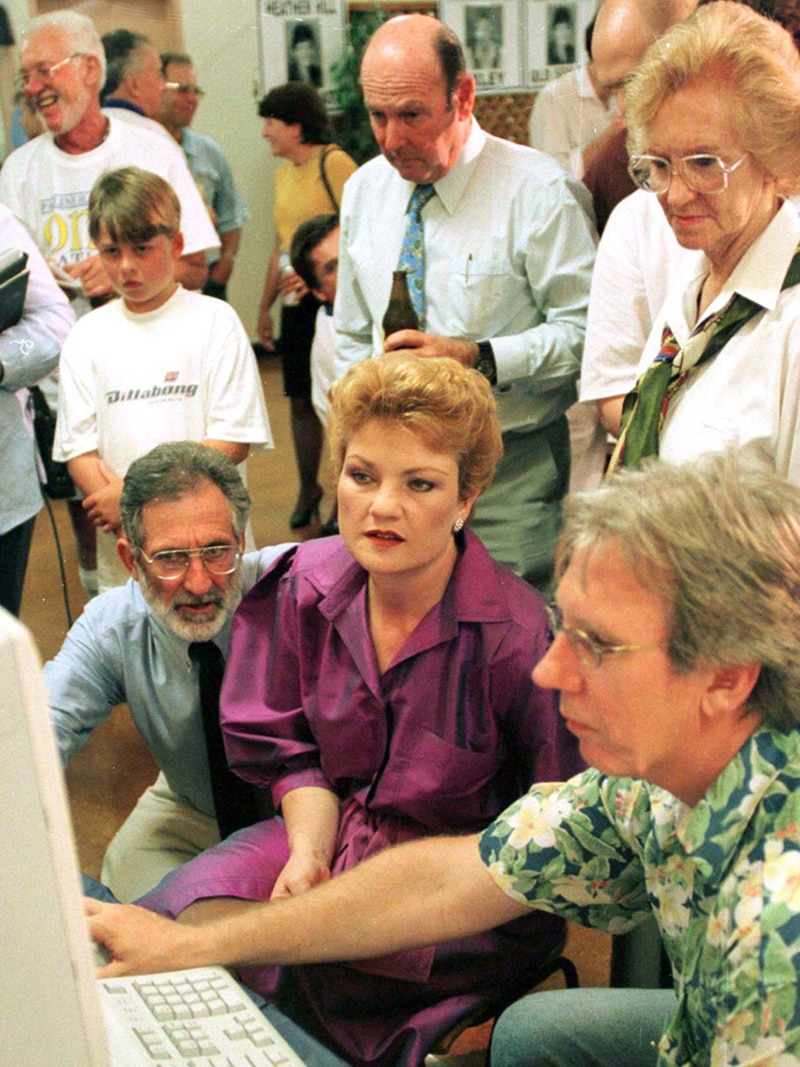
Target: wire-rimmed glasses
(702,173)
(185,88)
(173,563)
(589,650)
(42,71)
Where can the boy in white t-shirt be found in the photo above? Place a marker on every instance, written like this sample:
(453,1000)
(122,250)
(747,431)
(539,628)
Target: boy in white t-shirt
(161,364)
(315,257)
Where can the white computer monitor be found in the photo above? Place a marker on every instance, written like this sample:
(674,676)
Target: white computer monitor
(50,1009)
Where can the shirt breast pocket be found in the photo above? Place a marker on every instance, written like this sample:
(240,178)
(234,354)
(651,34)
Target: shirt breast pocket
(484,290)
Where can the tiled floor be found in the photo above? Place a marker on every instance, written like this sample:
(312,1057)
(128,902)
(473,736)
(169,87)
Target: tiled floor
(107,775)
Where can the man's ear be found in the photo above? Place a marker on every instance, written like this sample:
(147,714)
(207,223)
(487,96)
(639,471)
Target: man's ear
(176,245)
(464,95)
(93,70)
(730,687)
(125,553)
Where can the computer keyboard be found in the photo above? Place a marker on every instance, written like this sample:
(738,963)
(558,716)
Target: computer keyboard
(198,1017)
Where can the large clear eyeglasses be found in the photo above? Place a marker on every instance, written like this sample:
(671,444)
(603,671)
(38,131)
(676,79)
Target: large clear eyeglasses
(42,71)
(173,563)
(186,89)
(588,649)
(701,173)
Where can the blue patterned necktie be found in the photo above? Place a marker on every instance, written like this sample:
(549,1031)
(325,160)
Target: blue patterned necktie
(412,254)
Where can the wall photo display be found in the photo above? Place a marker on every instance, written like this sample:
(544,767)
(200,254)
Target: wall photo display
(554,34)
(300,40)
(492,42)
(519,44)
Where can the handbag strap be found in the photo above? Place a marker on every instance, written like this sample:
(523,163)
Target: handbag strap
(328,148)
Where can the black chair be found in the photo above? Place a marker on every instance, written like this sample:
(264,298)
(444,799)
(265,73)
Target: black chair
(507,995)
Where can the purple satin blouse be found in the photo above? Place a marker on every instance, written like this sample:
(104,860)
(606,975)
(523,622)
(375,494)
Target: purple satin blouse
(448,736)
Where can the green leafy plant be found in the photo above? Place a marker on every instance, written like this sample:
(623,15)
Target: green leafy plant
(353,130)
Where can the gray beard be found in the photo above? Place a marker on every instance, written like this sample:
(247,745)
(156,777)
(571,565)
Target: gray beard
(191,629)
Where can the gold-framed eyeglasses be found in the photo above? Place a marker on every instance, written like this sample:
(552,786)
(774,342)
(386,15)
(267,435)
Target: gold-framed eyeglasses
(702,173)
(185,88)
(173,563)
(42,71)
(589,650)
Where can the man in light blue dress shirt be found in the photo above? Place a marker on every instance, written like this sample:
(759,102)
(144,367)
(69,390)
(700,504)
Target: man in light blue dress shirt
(131,645)
(509,250)
(208,164)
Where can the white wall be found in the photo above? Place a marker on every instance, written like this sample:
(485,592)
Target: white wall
(220,36)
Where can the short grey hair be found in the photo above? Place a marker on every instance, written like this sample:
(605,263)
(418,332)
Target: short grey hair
(125,51)
(169,471)
(718,540)
(752,58)
(77,30)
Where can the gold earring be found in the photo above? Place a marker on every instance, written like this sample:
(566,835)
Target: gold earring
(458,525)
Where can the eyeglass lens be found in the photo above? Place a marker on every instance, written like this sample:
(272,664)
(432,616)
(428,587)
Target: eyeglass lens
(41,71)
(184,87)
(702,173)
(218,559)
(582,644)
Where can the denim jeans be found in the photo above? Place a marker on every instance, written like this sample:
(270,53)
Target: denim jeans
(582,1028)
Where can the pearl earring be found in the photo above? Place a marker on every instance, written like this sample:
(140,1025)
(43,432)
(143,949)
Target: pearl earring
(458,525)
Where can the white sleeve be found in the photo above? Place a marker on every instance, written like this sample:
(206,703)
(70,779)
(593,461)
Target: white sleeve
(196,227)
(76,423)
(546,130)
(619,317)
(235,406)
(352,317)
(639,263)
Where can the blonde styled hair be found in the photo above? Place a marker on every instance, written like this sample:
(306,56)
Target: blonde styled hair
(450,407)
(750,57)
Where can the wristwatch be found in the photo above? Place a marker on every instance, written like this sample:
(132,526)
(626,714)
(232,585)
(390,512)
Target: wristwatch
(485,363)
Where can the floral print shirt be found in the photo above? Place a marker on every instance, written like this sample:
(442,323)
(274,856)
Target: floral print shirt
(722,879)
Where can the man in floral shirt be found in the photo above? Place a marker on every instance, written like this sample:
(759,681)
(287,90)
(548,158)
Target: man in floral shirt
(677,654)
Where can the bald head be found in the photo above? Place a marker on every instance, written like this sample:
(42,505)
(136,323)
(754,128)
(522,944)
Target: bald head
(410,39)
(621,37)
(661,14)
(624,30)
(418,95)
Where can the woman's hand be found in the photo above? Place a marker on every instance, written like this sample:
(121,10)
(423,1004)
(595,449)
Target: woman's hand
(302,872)
(311,815)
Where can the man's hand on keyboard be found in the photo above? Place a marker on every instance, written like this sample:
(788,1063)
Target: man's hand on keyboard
(140,942)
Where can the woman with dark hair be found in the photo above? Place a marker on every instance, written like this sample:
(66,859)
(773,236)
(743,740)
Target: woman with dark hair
(309,183)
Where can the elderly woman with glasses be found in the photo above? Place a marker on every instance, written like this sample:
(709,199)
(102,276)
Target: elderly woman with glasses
(712,115)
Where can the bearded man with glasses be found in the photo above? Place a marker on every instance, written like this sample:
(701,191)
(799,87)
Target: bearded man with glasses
(676,656)
(184,511)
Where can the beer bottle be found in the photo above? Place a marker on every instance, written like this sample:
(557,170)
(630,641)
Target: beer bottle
(400,314)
